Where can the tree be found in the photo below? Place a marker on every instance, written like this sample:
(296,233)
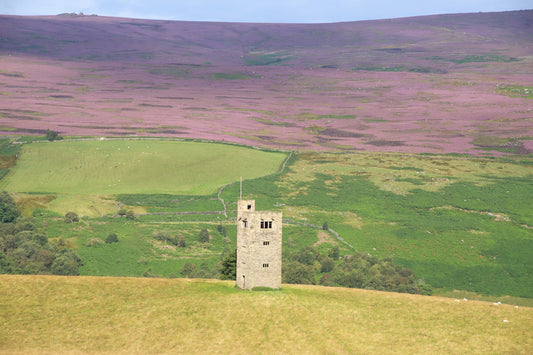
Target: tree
(8,209)
(221,229)
(203,237)
(65,265)
(306,255)
(297,273)
(71,217)
(111,238)
(228,267)
(188,270)
(182,243)
(327,265)
(53,135)
(325,226)
(334,253)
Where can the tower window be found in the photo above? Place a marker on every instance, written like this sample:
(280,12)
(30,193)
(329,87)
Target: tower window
(266,242)
(249,207)
(265,265)
(266,224)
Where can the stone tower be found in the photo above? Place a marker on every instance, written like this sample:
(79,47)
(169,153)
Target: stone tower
(258,247)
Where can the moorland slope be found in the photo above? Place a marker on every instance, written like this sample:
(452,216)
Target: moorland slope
(50,314)
(448,83)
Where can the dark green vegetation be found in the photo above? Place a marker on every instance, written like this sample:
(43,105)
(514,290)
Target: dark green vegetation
(433,222)
(25,249)
(354,271)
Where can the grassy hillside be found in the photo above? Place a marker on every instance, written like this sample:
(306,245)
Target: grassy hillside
(135,166)
(44,314)
(460,223)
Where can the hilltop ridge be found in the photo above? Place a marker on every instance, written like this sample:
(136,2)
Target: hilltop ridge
(439,84)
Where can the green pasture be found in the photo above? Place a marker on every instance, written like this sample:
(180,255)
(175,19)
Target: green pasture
(460,223)
(107,167)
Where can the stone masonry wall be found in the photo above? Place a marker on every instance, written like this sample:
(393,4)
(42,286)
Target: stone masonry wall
(259,240)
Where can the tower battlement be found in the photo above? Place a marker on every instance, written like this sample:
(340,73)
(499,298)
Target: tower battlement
(259,239)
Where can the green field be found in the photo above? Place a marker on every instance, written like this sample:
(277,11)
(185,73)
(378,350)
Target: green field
(135,166)
(50,314)
(460,223)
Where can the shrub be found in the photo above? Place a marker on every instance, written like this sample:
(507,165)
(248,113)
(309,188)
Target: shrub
(71,217)
(228,267)
(53,135)
(297,273)
(203,236)
(426,290)
(182,243)
(221,229)
(334,253)
(8,209)
(188,270)
(111,238)
(130,215)
(327,265)
(65,265)
(149,273)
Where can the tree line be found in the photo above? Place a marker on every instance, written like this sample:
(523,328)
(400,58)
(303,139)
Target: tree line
(26,250)
(309,266)
(359,270)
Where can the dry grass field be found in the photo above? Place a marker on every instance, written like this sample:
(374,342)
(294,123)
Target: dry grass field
(49,314)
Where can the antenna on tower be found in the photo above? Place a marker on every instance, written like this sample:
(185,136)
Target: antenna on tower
(240,194)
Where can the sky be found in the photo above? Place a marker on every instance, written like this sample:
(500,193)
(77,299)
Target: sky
(277,11)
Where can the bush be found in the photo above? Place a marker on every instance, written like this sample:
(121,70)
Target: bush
(298,273)
(228,267)
(188,270)
(327,265)
(65,265)
(53,135)
(149,273)
(111,238)
(203,236)
(71,217)
(221,229)
(8,209)
(182,243)
(426,290)
(165,236)
(334,253)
